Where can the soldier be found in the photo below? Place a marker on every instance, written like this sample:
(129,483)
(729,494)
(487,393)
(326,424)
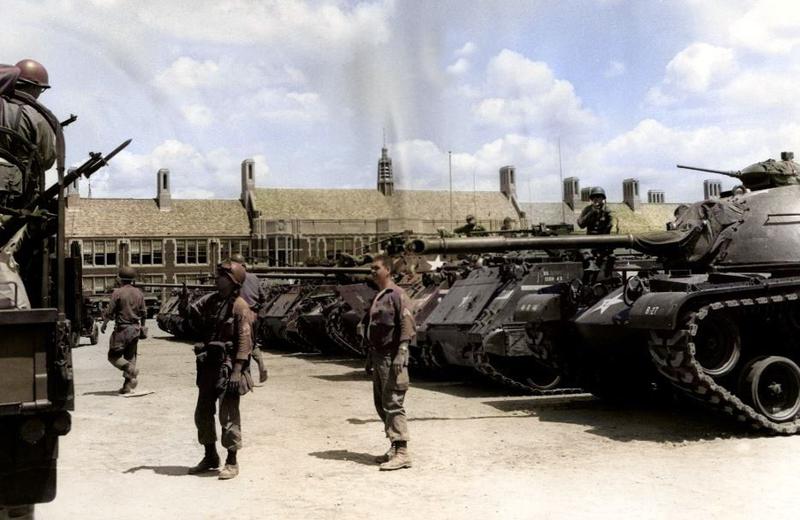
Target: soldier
(507,224)
(254,295)
(223,367)
(32,150)
(389,329)
(128,311)
(470,228)
(596,217)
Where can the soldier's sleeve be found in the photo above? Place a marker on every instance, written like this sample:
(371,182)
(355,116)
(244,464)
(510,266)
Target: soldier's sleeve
(44,137)
(583,220)
(243,321)
(142,307)
(405,317)
(111,308)
(609,222)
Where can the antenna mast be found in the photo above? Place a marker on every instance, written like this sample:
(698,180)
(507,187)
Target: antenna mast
(561,177)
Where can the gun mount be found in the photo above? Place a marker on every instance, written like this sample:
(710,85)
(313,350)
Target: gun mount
(762,175)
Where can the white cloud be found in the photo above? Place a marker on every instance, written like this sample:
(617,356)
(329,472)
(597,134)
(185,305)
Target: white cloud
(615,68)
(468,49)
(696,70)
(525,94)
(284,106)
(460,66)
(198,115)
(186,72)
(195,173)
(769,26)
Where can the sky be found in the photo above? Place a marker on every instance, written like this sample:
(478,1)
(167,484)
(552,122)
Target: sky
(309,89)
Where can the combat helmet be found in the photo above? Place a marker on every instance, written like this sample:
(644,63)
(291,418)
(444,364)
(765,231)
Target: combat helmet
(233,270)
(33,73)
(597,191)
(238,258)
(127,273)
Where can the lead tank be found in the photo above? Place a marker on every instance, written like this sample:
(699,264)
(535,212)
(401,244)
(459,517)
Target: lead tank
(719,323)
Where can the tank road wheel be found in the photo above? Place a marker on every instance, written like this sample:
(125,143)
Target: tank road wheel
(95,335)
(542,377)
(718,345)
(772,386)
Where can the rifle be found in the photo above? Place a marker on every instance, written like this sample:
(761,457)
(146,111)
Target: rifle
(92,164)
(71,119)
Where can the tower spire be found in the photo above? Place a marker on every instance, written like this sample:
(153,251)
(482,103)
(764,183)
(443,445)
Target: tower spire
(385,175)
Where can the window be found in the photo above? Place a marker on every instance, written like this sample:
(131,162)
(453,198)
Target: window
(191,252)
(99,284)
(146,252)
(194,279)
(151,278)
(100,252)
(229,247)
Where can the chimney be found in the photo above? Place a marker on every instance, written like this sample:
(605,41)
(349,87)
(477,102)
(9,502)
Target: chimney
(508,184)
(711,189)
(163,197)
(630,193)
(248,182)
(571,191)
(655,197)
(385,174)
(585,194)
(73,195)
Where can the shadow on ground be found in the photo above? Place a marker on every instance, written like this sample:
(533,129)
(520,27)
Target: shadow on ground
(355,375)
(171,471)
(657,422)
(114,393)
(345,455)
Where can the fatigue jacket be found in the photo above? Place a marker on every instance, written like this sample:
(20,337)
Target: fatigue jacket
(596,222)
(228,320)
(390,321)
(126,306)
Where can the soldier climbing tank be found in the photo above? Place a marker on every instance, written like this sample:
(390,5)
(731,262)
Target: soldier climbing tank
(719,323)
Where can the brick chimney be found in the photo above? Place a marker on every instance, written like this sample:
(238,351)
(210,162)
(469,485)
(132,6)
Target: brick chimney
(73,195)
(508,182)
(630,193)
(711,189)
(571,191)
(163,198)
(248,182)
(655,197)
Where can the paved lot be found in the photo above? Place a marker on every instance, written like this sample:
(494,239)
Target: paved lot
(311,433)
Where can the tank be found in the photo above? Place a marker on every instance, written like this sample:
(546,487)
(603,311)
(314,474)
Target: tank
(717,323)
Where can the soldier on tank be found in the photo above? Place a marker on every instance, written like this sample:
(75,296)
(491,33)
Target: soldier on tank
(596,218)
(507,224)
(389,330)
(128,311)
(31,150)
(223,367)
(253,293)
(470,228)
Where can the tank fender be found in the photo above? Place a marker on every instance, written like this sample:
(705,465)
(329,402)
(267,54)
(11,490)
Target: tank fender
(538,308)
(658,310)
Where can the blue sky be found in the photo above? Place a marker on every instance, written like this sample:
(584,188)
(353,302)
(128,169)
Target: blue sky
(306,88)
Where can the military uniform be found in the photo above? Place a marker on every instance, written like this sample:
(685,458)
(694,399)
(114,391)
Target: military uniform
(254,295)
(25,121)
(390,323)
(229,339)
(596,221)
(127,309)
(470,229)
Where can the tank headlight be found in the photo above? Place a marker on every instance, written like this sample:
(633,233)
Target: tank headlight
(62,424)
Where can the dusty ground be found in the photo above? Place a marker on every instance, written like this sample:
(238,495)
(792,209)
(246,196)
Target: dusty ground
(311,432)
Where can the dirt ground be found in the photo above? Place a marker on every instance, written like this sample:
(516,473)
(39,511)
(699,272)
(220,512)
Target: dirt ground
(311,432)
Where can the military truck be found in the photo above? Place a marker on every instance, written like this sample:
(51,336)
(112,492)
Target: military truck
(36,380)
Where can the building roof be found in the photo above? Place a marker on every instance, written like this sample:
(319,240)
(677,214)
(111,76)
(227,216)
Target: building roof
(648,217)
(370,204)
(142,218)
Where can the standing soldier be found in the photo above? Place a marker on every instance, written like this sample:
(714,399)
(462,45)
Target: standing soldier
(128,311)
(596,217)
(470,228)
(223,367)
(254,295)
(390,328)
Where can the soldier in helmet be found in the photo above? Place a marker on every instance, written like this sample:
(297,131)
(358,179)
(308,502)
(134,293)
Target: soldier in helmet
(596,218)
(129,313)
(507,224)
(223,367)
(470,228)
(254,295)
(29,149)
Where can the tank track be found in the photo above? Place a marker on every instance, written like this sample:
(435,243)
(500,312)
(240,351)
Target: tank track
(675,359)
(333,325)
(484,367)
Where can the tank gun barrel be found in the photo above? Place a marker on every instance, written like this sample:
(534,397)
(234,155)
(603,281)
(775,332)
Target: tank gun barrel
(734,174)
(305,276)
(259,270)
(175,286)
(496,244)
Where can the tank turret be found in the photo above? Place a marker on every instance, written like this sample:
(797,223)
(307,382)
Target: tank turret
(762,175)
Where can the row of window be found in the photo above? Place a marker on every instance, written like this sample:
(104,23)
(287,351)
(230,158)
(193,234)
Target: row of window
(106,284)
(101,253)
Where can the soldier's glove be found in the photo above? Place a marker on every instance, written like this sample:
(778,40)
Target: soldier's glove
(400,360)
(103,327)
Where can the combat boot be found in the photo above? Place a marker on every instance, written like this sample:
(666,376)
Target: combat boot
(263,375)
(386,457)
(400,460)
(229,471)
(209,462)
(126,387)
